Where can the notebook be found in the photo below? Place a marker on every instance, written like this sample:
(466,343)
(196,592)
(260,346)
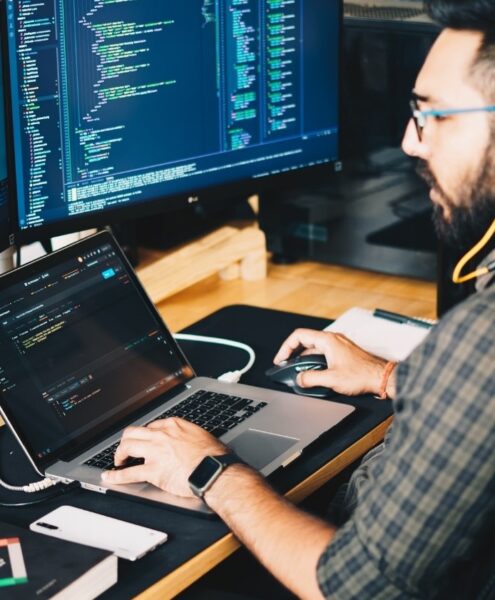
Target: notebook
(85,354)
(382,337)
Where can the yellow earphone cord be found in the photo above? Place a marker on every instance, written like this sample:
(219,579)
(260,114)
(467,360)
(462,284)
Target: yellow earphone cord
(457,277)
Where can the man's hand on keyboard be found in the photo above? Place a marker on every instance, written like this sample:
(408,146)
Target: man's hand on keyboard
(351,370)
(171,449)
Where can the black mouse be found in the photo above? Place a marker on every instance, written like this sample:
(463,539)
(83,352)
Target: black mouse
(287,371)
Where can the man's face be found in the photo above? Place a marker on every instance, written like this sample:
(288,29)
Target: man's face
(456,157)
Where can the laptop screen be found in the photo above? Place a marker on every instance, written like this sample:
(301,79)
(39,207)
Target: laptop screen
(81,348)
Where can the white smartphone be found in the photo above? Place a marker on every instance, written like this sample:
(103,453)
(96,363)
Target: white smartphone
(124,539)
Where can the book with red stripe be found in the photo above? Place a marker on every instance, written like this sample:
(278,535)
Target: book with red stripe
(35,566)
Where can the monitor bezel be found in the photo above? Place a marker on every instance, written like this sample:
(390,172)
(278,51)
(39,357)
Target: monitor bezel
(206,196)
(6,235)
(6,227)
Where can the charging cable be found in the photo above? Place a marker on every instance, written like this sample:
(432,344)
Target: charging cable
(230,376)
(38,486)
(30,488)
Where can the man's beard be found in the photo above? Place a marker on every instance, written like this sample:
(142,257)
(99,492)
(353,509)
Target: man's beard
(470,219)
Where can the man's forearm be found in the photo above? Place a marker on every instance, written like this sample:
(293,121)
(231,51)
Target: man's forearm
(286,540)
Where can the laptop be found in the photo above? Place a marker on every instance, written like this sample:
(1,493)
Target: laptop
(84,353)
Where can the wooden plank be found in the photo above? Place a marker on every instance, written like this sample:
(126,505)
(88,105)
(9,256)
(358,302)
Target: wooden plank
(180,269)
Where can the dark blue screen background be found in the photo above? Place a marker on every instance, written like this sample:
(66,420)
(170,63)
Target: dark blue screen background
(116,103)
(4,209)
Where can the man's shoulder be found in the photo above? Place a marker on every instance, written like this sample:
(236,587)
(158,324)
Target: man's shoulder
(456,357)
(476,311)
(466,335)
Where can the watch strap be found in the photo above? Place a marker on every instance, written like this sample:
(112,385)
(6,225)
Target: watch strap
(229,459)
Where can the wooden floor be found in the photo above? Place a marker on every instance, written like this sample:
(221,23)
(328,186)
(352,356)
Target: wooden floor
(308,288)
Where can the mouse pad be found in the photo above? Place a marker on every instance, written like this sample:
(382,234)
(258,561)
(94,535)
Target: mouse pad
(259,448)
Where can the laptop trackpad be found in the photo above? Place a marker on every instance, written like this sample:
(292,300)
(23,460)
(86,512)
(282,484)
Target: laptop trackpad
(259,448)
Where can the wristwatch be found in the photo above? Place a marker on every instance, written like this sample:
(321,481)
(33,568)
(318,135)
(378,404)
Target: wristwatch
(209,470)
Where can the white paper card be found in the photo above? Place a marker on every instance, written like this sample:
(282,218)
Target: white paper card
(390,340)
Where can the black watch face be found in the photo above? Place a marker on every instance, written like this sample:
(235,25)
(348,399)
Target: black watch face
(203,473)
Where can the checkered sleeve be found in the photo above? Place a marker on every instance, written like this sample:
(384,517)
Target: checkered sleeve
(423,502)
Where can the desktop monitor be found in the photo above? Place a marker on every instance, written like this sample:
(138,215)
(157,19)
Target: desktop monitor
(128,107)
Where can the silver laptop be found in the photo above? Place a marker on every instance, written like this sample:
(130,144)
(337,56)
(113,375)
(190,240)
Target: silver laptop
(84,353)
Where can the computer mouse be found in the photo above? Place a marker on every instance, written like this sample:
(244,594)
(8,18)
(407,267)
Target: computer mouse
(287,371)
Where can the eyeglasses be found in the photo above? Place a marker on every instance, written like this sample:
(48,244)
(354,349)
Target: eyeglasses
(420,116)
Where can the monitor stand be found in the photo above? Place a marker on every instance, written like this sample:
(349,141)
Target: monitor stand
(176,227)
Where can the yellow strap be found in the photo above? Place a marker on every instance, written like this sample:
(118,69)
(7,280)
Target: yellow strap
(457,277)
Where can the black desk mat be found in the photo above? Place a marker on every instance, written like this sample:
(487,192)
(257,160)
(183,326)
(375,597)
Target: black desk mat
(262,329)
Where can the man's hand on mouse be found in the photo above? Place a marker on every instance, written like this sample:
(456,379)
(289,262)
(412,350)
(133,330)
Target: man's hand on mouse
(351,370)
(171,449)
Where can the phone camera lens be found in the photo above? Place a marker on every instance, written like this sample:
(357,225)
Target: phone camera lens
(47,526)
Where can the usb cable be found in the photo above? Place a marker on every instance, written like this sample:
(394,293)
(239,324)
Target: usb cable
(229,376)
(30,488)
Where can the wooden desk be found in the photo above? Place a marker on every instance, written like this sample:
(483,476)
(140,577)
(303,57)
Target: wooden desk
(190,572)
(307,288)
(310,288)
(320,290)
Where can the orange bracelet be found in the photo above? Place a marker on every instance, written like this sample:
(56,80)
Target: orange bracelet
(387,371)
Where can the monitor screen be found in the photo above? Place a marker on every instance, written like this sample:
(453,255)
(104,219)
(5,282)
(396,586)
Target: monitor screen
(125,105)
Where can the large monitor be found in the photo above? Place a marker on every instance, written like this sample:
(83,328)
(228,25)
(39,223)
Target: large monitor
(122,107)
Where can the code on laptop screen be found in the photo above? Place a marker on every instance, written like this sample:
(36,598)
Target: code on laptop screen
(80,348)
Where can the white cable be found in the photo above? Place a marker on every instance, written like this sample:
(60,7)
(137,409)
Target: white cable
(230,376)
(30,488)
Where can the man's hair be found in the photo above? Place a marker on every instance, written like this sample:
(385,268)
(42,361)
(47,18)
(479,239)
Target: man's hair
(478,15)
(471,15)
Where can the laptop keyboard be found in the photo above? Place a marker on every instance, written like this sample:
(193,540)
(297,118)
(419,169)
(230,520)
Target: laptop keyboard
(217,413)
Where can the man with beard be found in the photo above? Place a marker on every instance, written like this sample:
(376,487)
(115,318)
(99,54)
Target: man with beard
(419,512)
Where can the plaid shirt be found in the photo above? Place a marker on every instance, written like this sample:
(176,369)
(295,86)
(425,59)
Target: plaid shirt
(427,496)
